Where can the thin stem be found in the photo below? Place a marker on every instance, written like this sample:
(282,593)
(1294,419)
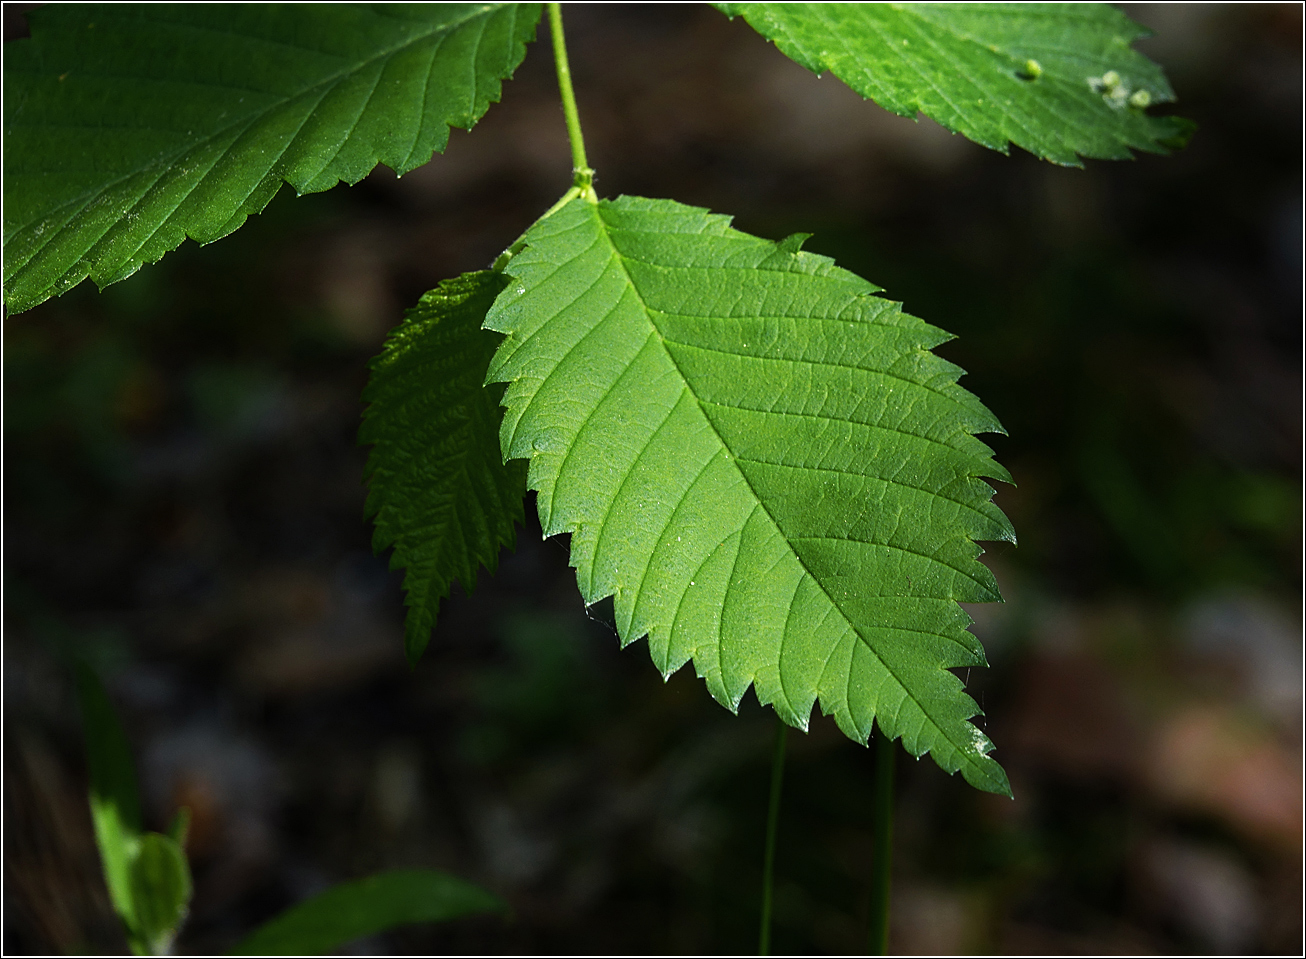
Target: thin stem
(772,822)
(882,835)
(582,174)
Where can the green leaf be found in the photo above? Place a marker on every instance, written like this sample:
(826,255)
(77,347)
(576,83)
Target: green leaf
(161,890)
(129,127)
(115,803)
(440,492)
(363,908)
(1057,79)
(760,461)
(147,874)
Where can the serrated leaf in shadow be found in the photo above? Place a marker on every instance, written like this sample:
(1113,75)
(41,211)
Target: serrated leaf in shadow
(130,127)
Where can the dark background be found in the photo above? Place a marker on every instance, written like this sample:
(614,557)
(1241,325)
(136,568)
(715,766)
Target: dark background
(183,503)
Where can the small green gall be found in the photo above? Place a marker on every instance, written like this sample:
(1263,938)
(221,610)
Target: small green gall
(1113,91)
(1140,99)
(1033,69)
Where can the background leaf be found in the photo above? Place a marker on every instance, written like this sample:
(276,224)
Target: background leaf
(115,802)
(161,890)
(147,874)
(440,493)
(760,462)
(352,910)
(129,127)
(1034,74)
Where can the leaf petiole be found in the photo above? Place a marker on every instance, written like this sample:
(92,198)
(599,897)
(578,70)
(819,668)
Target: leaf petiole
(581,171)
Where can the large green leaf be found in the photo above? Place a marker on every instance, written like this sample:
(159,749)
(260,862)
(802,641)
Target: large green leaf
(760,461)
(1057,79)
(440,492)
(355,909)
(129,127)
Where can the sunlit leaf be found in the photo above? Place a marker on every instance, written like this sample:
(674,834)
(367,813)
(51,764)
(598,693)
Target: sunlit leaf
(761,461)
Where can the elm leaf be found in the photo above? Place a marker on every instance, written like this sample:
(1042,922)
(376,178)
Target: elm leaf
(130,127)
(760,461)
(440,492)
(1057,79)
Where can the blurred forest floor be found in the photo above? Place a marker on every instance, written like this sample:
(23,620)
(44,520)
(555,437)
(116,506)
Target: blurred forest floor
(183,504)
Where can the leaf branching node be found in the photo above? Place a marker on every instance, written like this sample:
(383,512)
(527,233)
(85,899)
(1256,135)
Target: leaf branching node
(583,178)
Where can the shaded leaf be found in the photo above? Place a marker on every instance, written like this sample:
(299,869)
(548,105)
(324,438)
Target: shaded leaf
(352,910)
(1057,79)
(115,802)
(161,891)
(760,461)
(147,873)
(440,493)
(129,127)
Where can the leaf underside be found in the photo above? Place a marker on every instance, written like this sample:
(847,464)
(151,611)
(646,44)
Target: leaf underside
(967,66)
(129,127)
(440,493)
(760,461)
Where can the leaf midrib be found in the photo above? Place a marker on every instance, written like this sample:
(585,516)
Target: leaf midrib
(248,119)
(620,260)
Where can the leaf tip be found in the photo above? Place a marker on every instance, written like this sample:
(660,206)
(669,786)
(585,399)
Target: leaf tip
(1181,131)
(415,643)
